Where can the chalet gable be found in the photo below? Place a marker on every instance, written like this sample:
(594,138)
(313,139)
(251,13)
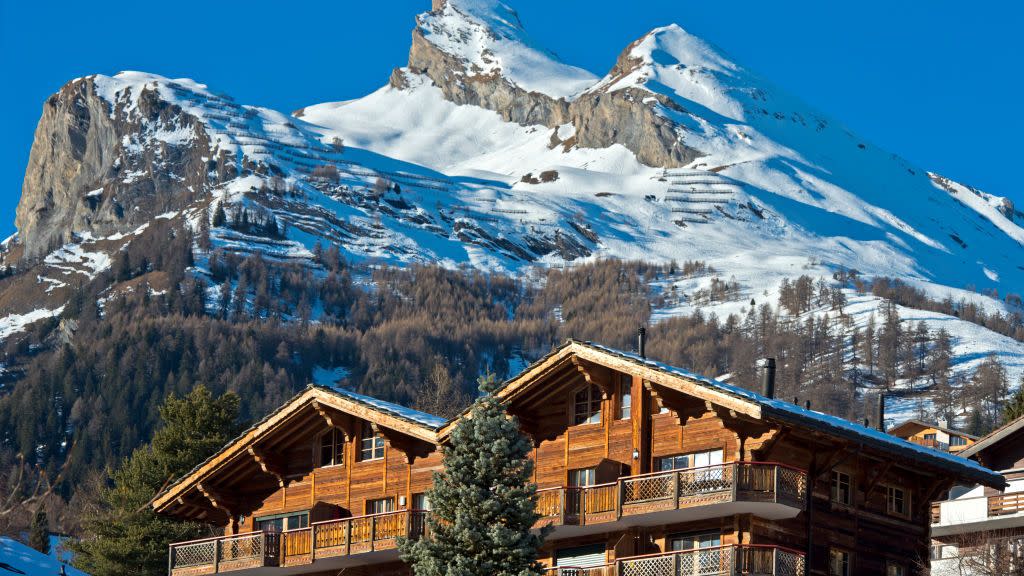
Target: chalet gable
(263,455)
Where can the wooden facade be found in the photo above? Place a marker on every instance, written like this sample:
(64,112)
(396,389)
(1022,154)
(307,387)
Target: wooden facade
(933,436)
(642,468)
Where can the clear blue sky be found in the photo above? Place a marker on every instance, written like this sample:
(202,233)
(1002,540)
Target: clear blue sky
(940,86)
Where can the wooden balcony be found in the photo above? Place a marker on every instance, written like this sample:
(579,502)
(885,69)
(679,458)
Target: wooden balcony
(746,560)
(755,487)
(341,538)
(978,514)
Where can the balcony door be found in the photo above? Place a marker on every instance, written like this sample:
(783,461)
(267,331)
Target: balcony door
(699,553)
(702,471)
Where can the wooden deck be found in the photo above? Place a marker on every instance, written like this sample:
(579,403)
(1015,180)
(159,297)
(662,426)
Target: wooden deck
(333,538)
(762,482)
(746,560)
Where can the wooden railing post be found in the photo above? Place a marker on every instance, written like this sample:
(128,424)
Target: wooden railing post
(675,489)
(373,532)
(348,537)
(775,483)
(216,556)
(170,559)
(620,496)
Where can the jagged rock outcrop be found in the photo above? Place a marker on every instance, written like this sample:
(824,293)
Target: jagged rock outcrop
(491,91)
(107,163)
(457,45)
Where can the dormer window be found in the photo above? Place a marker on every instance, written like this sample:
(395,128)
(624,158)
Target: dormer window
(371,444)
(587,406)
(332,448)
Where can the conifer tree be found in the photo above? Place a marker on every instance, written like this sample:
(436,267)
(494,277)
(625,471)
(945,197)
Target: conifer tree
(1014,408)
(123,536)
(483,502)
(39,532)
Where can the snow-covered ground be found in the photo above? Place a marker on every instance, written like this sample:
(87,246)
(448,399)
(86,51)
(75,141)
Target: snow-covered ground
(17,558)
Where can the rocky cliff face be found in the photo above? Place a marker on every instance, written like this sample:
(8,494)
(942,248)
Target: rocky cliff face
(473,50)
(105,163)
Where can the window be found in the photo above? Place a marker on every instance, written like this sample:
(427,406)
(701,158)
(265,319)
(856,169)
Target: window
(707,558)
(420,501)
(581,556)
(380,505)
(281,522)
(694,460)
(957,441)
(625,396)
(896,501)
(372,444)
(841,491)
(587,406)
(582,477)
(332,448)
(894,569)
(930,437)
(838,562)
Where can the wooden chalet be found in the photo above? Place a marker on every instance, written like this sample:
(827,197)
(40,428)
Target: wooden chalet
(644,469)
(936,436)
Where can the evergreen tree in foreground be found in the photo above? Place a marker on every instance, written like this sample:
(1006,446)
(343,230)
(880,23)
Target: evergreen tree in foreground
(122,535)
(39,532)
(483,502)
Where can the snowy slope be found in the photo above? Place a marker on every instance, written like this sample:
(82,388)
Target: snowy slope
(488,38)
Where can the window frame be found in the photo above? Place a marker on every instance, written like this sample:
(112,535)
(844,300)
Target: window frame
(625,397)
(389,500)
(376,443)
(846,569)
(593,398)
(284,517)
(591,472)
(895,569)
(835,483)
(890,499)
(337,447)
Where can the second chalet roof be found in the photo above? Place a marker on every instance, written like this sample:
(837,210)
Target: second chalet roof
(994,437)
(397,410)
(783,411)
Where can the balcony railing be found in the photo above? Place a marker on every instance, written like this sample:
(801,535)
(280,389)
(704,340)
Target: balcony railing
(343,537)
(674,489)
(976,509)
(760,560)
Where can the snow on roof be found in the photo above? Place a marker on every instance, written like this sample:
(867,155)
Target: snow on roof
(428,420)
(834,424)
(18,559)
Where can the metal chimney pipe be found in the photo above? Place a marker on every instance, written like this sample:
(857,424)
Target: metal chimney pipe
(881,411)
(767,366)
(641,342)
(807,404)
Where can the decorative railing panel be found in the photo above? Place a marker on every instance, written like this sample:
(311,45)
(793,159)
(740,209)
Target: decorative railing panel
(716,561)
(323,539)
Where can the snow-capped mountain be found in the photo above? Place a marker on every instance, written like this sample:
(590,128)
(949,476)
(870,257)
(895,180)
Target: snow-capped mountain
(487,150)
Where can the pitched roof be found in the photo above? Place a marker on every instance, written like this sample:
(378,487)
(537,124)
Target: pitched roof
(416,424)
(994,437)
(895,430)
(758,406)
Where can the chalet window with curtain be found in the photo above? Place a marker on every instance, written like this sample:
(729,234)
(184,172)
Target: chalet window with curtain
(282,522)
(841,488)
(371,445)
(583,477)
(420,501)
(332,448)
(587,406)
(380,505)
(625,396)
